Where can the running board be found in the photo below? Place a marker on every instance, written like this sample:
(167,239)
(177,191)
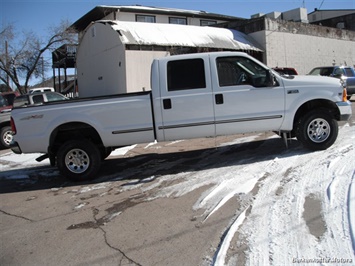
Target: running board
(42,157)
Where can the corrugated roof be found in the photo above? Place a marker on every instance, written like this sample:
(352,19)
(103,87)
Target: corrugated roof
(182,35)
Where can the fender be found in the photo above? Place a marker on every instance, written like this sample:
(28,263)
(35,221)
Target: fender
(305,89)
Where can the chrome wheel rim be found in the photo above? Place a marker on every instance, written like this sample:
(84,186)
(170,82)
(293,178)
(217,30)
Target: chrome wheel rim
(318,130)
(77,161)
(7,137)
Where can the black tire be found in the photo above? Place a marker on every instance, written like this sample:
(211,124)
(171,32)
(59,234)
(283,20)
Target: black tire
(105,152)
(78,160)
(317,130)
(5,137)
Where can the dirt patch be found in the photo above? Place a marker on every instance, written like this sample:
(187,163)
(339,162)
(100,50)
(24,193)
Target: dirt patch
(313,216)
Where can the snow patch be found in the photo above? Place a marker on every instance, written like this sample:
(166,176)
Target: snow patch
(122,151)
(222,251)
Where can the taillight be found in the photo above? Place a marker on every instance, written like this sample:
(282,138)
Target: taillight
(345,95)
(13,126)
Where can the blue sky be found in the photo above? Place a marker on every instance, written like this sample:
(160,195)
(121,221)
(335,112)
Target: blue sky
(39,15)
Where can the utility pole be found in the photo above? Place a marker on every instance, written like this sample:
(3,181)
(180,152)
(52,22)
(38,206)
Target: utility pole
(7,63)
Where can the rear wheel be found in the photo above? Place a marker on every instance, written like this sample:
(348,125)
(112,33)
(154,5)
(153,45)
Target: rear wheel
(78,160)
(317,130)
(5,137)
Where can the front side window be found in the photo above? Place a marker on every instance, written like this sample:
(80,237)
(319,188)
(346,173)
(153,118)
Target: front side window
(144,18)
(186,74)
(338,72)
(180,21)
(234,71)
(54,97)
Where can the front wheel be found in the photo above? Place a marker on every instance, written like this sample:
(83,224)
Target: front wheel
(78,160)
(317,130)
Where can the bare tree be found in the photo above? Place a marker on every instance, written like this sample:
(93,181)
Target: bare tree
(21,58)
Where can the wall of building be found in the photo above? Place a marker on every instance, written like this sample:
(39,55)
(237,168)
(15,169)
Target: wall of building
(318,15)
(138,64)
(304,46)
(100,62)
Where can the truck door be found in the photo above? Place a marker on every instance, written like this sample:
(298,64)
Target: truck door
(245,96)
(185,101)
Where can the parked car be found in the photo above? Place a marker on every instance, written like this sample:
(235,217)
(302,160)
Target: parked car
(6,100)
(5,130)
(346,73)
(286,71)
(15,99)
(38,98)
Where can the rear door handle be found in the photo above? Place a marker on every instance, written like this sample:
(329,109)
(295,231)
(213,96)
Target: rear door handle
(219,98)
(167,104)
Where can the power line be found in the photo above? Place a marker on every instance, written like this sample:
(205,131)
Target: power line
(321,4)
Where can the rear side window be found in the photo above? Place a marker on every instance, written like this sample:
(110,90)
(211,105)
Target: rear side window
(37,99)
(186,74)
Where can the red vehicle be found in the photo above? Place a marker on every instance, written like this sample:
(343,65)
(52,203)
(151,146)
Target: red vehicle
(286,71)
(7,100)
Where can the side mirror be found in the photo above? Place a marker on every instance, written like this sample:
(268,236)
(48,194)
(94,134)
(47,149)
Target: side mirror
(271,80)
(339,76)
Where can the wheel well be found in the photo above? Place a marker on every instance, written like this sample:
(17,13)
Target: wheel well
(315,104)
(5,124)
(72,130)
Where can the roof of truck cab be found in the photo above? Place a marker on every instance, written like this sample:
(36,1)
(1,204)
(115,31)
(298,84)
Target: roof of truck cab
(139,33)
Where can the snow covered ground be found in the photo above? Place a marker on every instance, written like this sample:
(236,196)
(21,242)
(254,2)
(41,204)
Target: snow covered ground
(298,207)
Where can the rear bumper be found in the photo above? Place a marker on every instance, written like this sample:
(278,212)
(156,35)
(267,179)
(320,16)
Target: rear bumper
(345,110)
(15,147)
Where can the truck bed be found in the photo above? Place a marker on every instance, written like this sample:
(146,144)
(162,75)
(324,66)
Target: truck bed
(118,119)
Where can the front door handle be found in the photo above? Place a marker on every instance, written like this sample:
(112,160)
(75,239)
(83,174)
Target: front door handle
(219,98)
(167,104)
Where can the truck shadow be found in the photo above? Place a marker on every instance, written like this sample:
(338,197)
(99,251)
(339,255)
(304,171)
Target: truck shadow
(143,168)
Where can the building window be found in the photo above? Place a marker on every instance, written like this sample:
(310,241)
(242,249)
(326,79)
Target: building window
(181,21)
(186,74)
(144,18)
(207,22)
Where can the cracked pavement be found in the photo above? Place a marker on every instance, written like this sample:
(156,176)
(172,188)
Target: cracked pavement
(47,220)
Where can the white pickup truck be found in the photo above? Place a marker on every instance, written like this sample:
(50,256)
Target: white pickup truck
(195,95)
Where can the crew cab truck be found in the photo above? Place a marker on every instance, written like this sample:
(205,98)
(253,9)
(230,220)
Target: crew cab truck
(192,96)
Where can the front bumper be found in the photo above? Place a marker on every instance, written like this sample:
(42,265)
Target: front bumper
(345,110)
